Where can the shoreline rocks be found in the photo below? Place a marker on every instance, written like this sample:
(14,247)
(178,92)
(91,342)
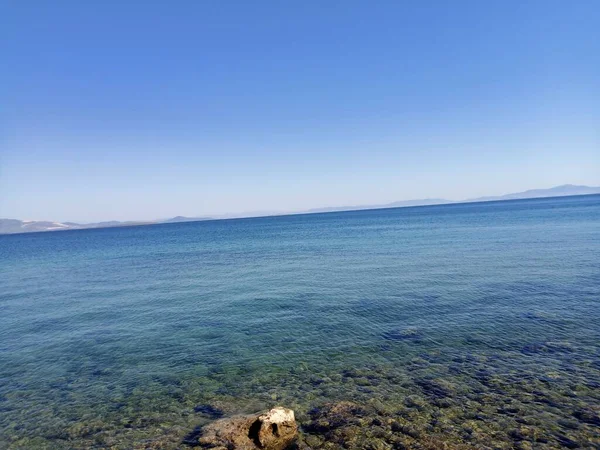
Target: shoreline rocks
(272,430)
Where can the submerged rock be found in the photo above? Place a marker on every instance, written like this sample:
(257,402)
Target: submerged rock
(334,415)
(436,389)
(273,430)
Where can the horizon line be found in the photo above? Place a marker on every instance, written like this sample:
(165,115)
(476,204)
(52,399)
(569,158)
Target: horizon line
(132,224)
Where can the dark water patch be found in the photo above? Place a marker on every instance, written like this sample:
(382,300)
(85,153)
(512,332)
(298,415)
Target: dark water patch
(191,439)
(209,410)
(547,348)
(406,334)
(436,389)
(566,442)
(541,317)
(588,415)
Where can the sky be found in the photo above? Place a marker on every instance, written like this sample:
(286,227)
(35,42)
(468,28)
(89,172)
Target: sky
(139,110)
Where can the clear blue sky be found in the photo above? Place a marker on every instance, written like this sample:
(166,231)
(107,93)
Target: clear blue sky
(149,109)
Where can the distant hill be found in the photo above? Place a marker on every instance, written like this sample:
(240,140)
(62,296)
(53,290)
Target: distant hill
(557,191)
(8,226)
(11,226)
(179,219)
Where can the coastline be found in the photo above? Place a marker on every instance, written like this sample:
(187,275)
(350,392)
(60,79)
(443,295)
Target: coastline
(134,224)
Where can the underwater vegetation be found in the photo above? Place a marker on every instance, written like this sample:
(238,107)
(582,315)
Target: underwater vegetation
(425,400)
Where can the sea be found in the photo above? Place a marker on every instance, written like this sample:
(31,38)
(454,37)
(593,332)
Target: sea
(473,325)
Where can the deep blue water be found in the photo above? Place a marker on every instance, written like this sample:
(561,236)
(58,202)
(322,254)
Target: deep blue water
(115,335)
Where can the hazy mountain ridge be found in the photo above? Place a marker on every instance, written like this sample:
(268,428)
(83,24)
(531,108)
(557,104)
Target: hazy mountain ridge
(12,226)
(179,219)
(556,191)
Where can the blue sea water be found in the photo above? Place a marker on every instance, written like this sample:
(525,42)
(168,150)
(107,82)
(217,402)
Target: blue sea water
(121,336)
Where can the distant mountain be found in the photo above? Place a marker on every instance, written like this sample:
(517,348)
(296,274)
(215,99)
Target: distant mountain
(423,202)
(557,191)
(250,214)
(11,226)
(8,226)
(179,219)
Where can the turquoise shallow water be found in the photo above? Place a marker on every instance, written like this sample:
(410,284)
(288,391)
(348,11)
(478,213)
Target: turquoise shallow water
(485,314)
